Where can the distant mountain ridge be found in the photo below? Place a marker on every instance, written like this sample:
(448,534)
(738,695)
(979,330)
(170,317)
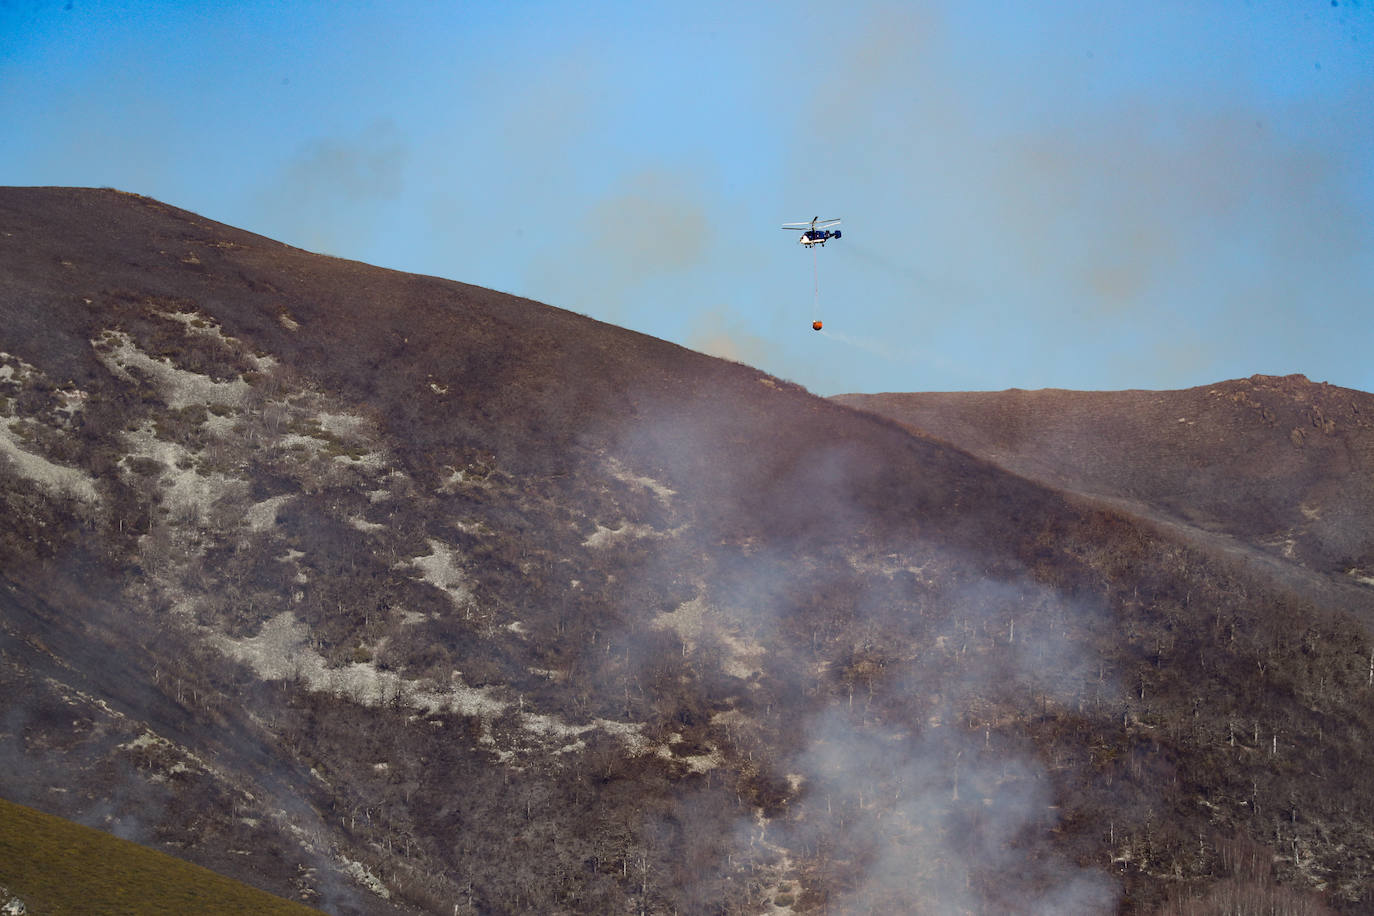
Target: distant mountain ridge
(1277,462)
(391,594)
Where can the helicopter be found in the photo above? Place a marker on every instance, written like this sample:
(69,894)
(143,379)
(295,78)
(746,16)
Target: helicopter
(816,232)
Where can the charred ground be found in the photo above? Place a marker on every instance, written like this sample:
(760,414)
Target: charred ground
(387,592)
(1278,464)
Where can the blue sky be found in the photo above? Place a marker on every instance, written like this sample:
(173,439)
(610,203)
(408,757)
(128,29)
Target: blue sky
(1080,195)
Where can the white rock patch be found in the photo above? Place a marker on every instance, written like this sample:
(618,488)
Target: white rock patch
(442,570)
(358,872)
(54,478)
(184,490)
(203,326)
(624,475)
(605,537)
(362,524)
(119,353)
(263,515)
(343,425)
(691,617)
(280,651)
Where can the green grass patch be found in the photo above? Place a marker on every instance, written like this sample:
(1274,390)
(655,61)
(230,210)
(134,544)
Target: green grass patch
(59,867)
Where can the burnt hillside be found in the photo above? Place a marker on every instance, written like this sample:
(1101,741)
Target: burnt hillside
(394,594)
(1277,463)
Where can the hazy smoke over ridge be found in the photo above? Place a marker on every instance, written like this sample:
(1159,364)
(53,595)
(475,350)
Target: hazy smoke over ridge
(902,776)
(336,188)
(1042,199)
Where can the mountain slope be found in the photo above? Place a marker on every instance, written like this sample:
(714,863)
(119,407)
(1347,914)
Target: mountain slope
(393,594)
(1280,464)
